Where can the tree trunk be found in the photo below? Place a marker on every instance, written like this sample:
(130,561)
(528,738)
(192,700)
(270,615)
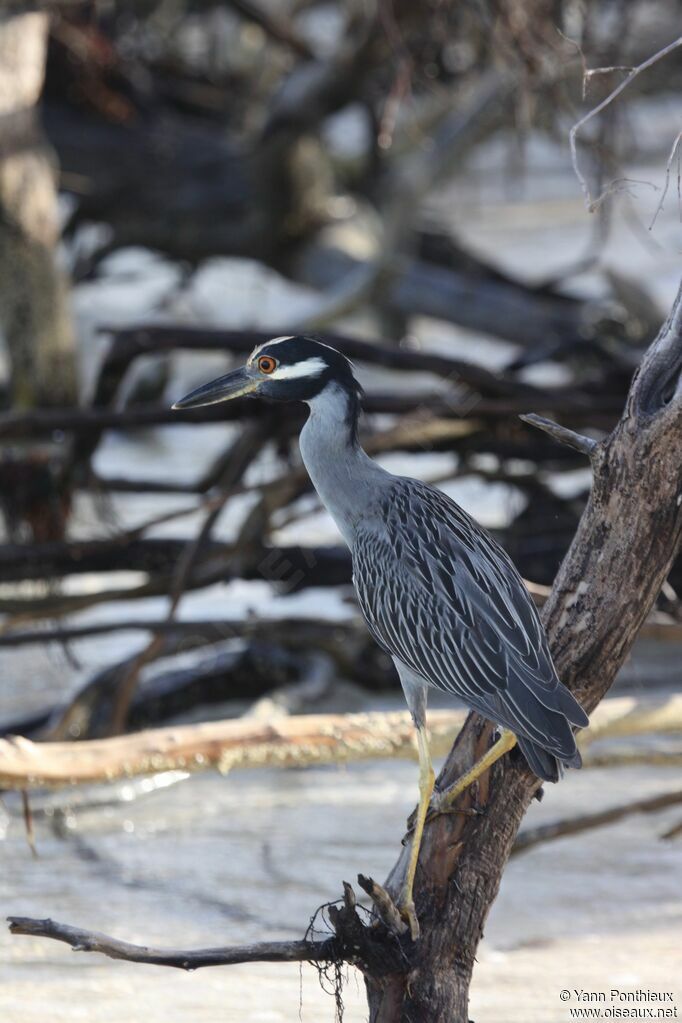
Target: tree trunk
(34,313)
(623,549)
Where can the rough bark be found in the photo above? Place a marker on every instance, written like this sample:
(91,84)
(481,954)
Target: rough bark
(34,314)
(625,544)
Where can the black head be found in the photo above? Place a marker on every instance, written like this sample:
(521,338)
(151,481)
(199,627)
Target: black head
(284,369)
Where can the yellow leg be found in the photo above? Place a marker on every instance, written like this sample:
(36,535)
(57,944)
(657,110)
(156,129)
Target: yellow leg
(444,800)
(426,783)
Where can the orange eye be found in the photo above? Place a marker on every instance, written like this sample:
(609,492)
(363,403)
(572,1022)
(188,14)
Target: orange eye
(266,364)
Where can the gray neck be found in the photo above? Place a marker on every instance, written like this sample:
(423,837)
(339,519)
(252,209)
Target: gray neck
(347,480)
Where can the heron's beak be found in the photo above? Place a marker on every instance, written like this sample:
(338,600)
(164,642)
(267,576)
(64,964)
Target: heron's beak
(233,385)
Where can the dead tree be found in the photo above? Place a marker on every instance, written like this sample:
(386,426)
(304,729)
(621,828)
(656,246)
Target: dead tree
(34,314)
(622,552)
(35,321)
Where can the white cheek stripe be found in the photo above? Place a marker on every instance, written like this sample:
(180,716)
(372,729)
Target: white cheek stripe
(309,368)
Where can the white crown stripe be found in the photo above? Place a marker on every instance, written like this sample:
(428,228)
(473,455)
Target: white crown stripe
(308,368)
(266,344)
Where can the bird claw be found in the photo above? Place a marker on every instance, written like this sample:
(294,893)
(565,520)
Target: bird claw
(441,804)
(438,807)
(409,915)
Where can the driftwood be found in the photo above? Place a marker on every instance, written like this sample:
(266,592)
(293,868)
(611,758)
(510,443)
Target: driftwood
(295,741)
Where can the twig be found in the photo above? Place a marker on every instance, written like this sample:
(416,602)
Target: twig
(672,832)
(82,940)
(275,26)
(668,167)
(590,73)
(28,822)
(244,450)
(586,445)
(384,905)
(591,203)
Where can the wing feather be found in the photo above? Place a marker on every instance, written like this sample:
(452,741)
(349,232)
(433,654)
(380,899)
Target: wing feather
(440,595)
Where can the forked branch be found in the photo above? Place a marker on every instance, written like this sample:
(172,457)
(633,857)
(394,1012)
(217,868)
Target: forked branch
(591,202)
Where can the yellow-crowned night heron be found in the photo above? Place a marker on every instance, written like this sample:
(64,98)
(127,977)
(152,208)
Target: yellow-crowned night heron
(436,591)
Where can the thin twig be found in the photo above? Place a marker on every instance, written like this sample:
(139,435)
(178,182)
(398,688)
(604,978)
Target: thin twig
(28,822)
(244,450)
(591,203)
(577,441)
(672,832)
(668,167)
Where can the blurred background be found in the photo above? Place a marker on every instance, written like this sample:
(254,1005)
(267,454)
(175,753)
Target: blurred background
(180,180)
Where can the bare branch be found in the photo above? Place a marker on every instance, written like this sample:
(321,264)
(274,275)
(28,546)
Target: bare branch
(82,940)
(586,445)
(591,203)
(216,629)
(275,26)
(576,825)
(590,73)
(668,168)
(672,832)
(384,905)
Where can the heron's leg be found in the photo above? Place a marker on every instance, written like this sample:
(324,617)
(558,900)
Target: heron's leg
(443,801)
(426,783)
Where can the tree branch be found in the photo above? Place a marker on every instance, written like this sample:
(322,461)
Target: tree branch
(585,445)
(591,203)
(82,940)
(576,825)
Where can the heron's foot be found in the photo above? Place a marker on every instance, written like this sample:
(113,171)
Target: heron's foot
(446,802)
(407,911)
(436,808)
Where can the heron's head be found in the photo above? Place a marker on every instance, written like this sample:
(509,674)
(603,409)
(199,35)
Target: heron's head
(284,369)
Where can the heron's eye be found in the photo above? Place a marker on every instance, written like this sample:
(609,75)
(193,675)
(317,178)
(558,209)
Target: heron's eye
(266,364)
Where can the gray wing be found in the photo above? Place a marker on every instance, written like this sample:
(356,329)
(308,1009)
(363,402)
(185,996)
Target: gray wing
(438,593)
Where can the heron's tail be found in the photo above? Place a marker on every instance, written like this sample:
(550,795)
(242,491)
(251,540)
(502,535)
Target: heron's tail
(544,764)
(541,718)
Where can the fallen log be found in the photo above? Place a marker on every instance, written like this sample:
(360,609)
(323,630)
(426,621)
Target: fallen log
(296,741)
